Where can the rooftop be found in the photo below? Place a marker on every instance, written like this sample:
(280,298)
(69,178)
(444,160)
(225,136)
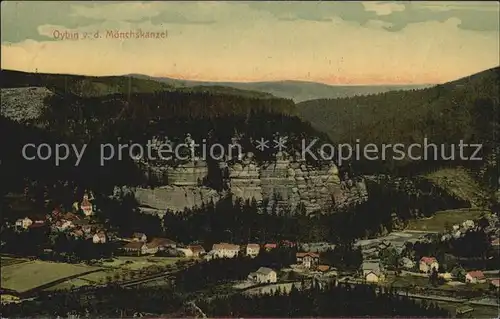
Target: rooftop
(478,274)
(265,270)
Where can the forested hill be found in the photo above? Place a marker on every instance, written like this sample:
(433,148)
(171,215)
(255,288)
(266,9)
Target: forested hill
(298,91)
(91,86)
(466,109)
(37,115)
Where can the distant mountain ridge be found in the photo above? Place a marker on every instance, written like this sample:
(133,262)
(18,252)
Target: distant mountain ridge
(93,86)
(298,91)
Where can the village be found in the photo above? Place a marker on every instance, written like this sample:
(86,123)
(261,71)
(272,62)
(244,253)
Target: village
(386,261)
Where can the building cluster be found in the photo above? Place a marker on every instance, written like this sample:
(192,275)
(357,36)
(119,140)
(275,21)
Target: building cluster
(77,223)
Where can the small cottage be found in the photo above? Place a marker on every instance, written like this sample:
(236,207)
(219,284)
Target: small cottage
(308,260)
(427,264)
(372,272)
(475,277)
(263,275)
(86,206)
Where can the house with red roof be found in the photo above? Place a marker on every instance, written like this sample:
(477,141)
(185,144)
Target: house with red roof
(86,206)
(475,277)
(428,263)
(495,284)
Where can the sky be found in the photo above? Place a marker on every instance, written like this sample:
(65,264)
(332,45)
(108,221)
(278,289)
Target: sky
(329,42)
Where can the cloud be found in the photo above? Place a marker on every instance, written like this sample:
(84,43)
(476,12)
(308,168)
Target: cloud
(475,16)
(21,19)
(130,11)
(383,9)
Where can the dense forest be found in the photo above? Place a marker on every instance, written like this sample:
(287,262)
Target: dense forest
(92,86)
(334,301)
(136,117)
(466,109)
(242,222)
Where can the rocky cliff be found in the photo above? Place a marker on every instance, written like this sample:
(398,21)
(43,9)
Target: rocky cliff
(284,184)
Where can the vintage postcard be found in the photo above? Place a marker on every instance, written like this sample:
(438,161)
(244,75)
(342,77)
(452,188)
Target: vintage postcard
(272,159)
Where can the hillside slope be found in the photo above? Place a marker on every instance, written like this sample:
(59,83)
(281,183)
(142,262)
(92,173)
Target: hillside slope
(466,109)
(92,86)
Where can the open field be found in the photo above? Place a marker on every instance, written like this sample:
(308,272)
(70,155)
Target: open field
(25,276)
(440,220)
(121,266)
(460,183)
(136,262)
(9,261)
(406,281)
(479,311)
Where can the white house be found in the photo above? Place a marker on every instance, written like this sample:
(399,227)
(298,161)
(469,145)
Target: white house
(252,250)
(427,264)
(263,275)
(24,222)
(468,224)
(99,238)
(475,277)
(225,250)
(308,259)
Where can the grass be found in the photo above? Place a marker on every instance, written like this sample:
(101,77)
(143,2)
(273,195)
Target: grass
(9,261)
(479,311)
(137,263)
(441,219)
(458,182)
(26,276)
(406,281)
(117,266)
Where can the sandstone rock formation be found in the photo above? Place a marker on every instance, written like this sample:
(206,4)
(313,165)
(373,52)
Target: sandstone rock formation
(286,183)
(174,198)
